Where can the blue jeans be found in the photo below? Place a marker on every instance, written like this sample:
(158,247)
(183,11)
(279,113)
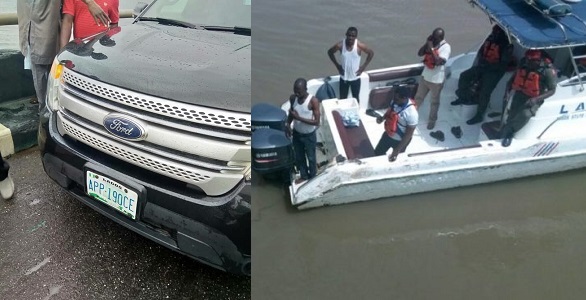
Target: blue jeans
(305,147)
(354,85)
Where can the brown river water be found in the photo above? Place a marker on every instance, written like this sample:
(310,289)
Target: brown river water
(520,239)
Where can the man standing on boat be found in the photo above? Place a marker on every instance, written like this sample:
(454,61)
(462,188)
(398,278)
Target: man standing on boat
(350,69)
(400,122)
(304,114)
(435,52)
(534,81)
(477,83)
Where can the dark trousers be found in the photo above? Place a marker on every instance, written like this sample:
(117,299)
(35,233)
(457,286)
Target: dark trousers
(354,85)
(487,81)
(4,167)
(305,154)
(519,114)
(40,78)
(385,143)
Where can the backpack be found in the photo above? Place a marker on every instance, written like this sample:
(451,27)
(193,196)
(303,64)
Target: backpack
(325,91)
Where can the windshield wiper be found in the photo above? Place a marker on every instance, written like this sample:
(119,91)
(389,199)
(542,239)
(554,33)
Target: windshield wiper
(172,22)
(235,29)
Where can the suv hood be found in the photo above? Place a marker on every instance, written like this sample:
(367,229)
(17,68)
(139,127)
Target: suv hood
(208,68)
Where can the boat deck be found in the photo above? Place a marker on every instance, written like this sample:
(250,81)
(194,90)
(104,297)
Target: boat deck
(449,116)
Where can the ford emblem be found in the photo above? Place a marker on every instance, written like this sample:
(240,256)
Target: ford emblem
(124,127)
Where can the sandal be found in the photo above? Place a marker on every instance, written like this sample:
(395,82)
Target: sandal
(457,131)
(438,135)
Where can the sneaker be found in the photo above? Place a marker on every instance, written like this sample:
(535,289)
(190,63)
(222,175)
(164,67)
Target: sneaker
(475,120)
(508,138)
(507,141)
(6,188)
(458,101)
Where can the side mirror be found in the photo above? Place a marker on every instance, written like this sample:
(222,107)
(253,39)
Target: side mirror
(138,8)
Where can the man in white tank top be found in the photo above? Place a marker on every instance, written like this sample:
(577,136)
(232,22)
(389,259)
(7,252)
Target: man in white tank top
(349,68)
(304,114)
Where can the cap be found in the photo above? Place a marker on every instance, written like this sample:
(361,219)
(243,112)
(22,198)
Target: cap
(533,54)
(403,92)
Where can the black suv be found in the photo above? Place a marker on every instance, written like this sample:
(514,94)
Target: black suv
(149,124)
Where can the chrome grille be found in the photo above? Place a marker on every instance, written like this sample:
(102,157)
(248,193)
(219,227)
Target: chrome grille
(171,109)
(205,147)
(136,158)
(213,183)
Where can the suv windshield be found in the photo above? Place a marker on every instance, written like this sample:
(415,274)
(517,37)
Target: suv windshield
(213,13)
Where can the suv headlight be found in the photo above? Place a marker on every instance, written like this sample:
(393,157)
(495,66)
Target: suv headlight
(53,85)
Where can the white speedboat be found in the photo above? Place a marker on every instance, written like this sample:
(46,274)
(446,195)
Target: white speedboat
(553,140)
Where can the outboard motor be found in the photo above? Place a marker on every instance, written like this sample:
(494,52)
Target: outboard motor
(272,150)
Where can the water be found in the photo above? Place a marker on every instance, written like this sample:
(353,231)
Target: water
(521,239)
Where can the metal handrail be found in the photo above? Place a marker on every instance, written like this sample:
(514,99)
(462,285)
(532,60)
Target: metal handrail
(12,19)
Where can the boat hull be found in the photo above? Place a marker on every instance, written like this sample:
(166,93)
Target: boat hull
(360,181)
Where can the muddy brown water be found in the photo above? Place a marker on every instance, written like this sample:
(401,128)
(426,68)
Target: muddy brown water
(520,239)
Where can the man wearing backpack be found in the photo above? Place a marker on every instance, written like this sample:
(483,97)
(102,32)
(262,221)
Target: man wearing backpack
(400,122)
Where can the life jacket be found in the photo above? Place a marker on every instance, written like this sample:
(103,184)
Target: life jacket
(392,119)
(491,52)
(529,82)
(429,60)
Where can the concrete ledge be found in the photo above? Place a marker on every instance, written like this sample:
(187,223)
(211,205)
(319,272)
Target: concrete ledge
(6,143)
(15,81)
(18,125)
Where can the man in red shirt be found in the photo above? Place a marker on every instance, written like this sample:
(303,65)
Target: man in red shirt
(78,16)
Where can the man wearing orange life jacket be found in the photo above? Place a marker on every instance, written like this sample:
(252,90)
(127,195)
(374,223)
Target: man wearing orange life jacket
(400,122)
(435,52)
(534,81)
(492,60)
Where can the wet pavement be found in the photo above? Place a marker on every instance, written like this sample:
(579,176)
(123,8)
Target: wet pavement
(54,247)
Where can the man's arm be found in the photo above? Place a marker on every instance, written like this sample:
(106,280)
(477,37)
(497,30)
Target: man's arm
(100,17)
(336,47)
(66,25)
(426,48)
(369,56)
(404,141)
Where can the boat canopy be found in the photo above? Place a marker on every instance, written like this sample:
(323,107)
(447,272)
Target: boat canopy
(539,24)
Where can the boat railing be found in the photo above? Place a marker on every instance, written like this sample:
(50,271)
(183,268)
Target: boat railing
(576,70)
(554,11)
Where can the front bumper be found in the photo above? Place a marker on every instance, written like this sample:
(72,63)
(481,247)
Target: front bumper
(215,231)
